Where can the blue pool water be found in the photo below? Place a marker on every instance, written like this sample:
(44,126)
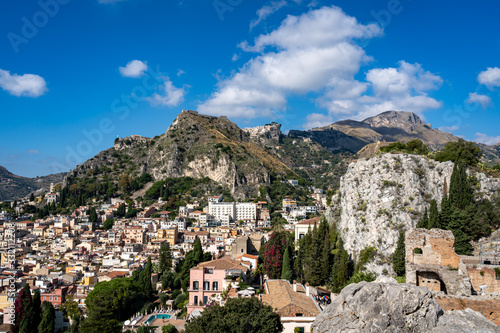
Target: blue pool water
(157,316)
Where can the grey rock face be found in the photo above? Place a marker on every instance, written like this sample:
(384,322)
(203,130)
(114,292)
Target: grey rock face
(382,194)
(464,321)
(393,307)
(380,307)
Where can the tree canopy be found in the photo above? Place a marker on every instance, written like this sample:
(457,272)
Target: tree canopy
(247,315)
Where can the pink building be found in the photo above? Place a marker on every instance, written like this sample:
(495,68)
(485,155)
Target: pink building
(208,280)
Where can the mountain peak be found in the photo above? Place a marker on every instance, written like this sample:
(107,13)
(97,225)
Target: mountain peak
(394,119)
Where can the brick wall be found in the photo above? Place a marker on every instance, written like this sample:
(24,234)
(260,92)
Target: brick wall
(484,276)
(488,308)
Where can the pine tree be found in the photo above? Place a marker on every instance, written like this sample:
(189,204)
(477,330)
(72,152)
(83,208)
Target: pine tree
(286,270)
(424,221)
(398,258)
(32,197)
(434,216)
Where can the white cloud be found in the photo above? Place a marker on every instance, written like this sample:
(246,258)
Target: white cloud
(405,79)
(29,85)
(33,151)
(180,72)
(318,54)
(266,11)
(317,120)
(317,28)
(316,50)
(452,128)
(403,88)
(488,140)
(483,100)
(169,95)
(490,77)
(134,68)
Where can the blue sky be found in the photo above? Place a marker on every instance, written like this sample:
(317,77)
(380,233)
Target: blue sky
(76,74)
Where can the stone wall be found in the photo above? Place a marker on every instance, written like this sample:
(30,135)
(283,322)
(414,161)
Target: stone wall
(490,309)
(484,275)
(437,267)
(436,246)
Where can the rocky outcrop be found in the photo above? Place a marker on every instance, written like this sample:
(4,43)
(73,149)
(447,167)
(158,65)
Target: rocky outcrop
(380,307)
(383,194)
(269,134)
(197,146)
(386,306)
(464,321)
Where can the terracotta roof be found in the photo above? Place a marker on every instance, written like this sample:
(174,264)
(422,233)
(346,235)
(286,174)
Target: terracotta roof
(310,221)
(222,264)
(286,302)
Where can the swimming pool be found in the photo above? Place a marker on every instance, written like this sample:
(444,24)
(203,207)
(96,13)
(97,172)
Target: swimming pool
(157,316)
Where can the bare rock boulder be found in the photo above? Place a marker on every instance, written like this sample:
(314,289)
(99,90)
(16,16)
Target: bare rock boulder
(386,306)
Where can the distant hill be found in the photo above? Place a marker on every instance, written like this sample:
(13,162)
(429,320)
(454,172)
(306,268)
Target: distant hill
(388,126)
(194,146)
(14,187)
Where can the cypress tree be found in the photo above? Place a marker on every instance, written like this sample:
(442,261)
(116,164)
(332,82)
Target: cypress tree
(434,216)
(286,270)
(37,309)
(47,325)
(340,270)
(446,211)
(461,193)
(326,258)
(314,276)
(92,215)
(398,257)
(165,258)
(147,285)
(457,225)
(32,197)
(424,221)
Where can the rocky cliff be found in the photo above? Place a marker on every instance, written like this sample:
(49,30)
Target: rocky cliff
(380,195)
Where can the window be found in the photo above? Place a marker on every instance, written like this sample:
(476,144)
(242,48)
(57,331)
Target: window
(301,329)
(210,270)
(195,285)
(301,236)
(205,299)
(206,285)
(215,285)
(195,300)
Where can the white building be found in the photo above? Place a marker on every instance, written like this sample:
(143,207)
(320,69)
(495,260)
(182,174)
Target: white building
(246,211)
(232,211)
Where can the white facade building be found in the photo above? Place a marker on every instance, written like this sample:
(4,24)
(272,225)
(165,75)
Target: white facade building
(222,211)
